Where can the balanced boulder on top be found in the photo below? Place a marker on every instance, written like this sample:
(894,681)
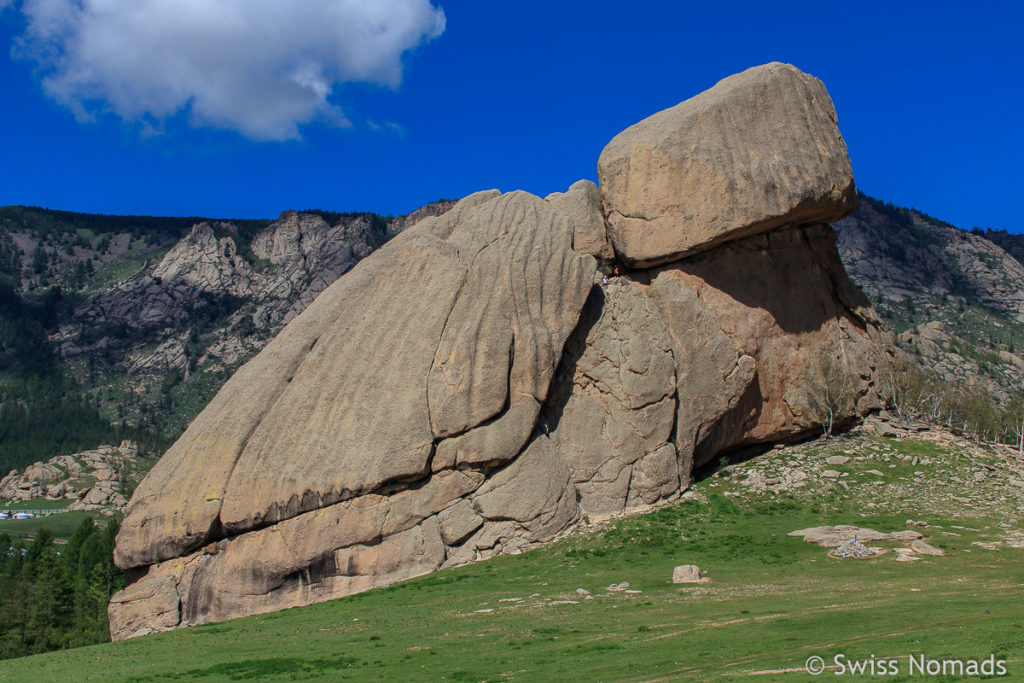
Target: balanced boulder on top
(759,150)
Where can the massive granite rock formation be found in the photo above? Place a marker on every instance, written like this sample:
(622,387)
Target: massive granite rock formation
(474,387)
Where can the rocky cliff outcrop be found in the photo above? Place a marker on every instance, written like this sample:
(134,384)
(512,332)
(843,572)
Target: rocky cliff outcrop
(901,254)
(476,386)
(207,265)
(954,299)
(169,334)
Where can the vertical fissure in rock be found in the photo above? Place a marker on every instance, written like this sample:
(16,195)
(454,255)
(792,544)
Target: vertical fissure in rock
(561,388)
(673,434)
(440,339)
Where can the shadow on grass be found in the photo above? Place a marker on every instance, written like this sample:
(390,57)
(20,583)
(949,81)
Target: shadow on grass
(254,669)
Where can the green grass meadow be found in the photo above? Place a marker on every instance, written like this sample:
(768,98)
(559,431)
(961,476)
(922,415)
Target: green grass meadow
(62,525)
(36,504)
(772,602)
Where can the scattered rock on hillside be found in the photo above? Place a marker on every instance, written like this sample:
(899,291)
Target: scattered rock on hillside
(922,548)
(906,555)
(855,550)
(92,479)
(954,299)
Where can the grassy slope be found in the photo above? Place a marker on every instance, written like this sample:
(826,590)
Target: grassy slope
(35,504)
(773,600)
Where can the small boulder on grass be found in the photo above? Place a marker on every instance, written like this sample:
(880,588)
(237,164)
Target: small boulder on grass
(906,555)
(688,573)
(922,548)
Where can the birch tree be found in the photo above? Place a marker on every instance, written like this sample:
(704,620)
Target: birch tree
(830,393)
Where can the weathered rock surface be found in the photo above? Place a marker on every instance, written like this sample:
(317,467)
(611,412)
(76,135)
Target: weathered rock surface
(582,202)
(673,365)
(472,388)
(146,607)
(460,323)
(759,150)
(612,415)
(748,342)
(687,573)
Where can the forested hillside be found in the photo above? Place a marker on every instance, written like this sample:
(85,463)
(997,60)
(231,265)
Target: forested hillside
(54,597)
(1011,242)
(42,408)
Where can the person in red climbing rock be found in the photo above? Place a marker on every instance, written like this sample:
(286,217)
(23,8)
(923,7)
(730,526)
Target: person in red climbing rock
(616,271)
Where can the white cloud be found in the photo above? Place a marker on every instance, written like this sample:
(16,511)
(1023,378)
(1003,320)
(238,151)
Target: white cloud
(261,67)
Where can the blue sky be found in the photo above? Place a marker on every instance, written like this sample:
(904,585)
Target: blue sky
(136,110)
